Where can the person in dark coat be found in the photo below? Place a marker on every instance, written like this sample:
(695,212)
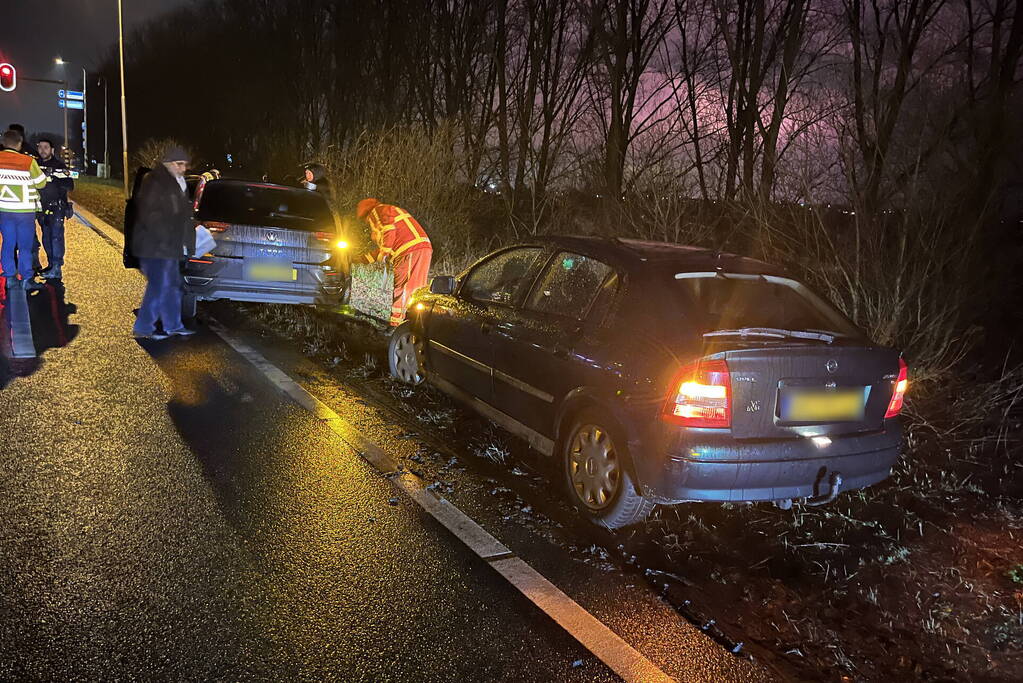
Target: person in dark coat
(56,208)
(162,237)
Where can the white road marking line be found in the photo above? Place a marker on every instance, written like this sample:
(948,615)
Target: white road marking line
(592,633)
(589,631)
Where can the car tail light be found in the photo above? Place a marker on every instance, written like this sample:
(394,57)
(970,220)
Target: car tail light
(700,396)
(216,226)
(324,236)
(198,193)
(899,395)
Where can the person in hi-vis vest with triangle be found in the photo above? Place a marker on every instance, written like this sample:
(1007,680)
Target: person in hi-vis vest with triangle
(404,244)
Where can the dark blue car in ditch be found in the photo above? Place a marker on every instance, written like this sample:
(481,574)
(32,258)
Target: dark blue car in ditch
(659,374)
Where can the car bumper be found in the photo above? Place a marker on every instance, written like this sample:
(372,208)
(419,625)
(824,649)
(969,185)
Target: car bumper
(210,289)
(708,466)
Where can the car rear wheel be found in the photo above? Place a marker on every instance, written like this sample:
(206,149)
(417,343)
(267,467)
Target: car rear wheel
(596,476)
(403,353)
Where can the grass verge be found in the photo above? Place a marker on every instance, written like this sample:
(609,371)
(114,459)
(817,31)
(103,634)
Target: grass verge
(103,196)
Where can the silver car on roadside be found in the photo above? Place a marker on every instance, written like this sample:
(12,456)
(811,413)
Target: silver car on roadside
(274,244)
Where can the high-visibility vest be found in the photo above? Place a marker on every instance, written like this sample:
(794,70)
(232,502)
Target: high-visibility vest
(395,232)
(20,182)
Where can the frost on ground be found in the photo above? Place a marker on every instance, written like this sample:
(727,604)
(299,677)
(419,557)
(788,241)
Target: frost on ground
(494,452)
(908,580)
(918,577)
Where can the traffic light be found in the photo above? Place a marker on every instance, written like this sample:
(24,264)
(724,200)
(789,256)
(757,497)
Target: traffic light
(67,156)
(8,77)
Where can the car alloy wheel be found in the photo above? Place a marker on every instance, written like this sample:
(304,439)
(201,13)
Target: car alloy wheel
(404,356)
(593,467)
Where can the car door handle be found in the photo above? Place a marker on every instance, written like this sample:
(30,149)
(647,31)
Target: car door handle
(564,351)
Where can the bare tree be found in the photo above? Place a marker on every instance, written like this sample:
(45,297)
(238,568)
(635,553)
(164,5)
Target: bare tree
(628,34)
(885,38)
(544,55)
(770,55)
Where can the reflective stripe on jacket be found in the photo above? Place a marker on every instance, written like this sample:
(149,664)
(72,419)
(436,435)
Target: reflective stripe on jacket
(20,181)
(395,232)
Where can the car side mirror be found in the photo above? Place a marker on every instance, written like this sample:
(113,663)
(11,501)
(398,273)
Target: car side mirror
(442,284)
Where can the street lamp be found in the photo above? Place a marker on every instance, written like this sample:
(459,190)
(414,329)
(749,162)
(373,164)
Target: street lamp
(124,112)
(85,115)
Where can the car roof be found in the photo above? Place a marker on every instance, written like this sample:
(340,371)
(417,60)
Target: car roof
(660,256)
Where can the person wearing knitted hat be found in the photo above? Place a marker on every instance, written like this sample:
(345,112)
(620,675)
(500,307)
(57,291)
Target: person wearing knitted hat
(401,241)
(163,236)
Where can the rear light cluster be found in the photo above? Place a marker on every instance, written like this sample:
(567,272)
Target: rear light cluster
(899,395)
(216,226)
(329,237)
(701,396)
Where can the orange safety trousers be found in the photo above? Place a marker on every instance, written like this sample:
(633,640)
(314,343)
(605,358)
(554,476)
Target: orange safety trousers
(411,271)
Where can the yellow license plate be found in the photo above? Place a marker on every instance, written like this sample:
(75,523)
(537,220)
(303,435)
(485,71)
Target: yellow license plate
(822,406)
(271,272)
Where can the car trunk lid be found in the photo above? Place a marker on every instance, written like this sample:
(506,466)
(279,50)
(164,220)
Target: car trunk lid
(781,389)
(271,243)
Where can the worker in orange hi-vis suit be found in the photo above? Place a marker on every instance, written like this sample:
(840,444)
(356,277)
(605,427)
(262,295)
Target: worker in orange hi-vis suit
(402,241)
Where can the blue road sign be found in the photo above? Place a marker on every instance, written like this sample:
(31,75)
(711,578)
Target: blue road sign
(75,95)
(70,104)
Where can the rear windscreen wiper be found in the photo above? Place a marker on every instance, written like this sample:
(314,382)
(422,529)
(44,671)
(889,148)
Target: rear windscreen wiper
(772,332)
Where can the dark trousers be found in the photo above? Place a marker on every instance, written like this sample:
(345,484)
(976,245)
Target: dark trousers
(52,224)
(17,231)
(162,300)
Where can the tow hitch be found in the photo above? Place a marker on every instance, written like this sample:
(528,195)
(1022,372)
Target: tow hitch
(835,482)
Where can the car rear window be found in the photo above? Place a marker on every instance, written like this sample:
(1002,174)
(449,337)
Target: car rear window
(265,205)
(725,301)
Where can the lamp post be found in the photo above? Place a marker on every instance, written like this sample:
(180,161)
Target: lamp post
(61,62)
(106,150)
(85,115)
(124,113)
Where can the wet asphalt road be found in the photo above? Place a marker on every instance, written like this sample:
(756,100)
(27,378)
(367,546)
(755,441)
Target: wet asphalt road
(168,514)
